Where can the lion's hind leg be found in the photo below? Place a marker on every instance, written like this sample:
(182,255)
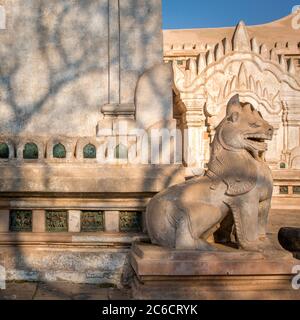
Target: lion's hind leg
(263,214)
(185,239)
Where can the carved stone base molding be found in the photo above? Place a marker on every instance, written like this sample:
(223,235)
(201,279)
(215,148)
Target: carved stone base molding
(228,275)
(96,258)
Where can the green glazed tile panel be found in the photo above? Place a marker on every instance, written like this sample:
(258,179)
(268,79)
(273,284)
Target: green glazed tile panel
(4,151)
(59,151)
(56,221)
(130,221)
(31,151)
(284,190)
(296,190)
(20,221)
(121,152)
(89,152)
(92,221)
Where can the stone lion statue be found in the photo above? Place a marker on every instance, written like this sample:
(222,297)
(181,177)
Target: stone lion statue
(237,186)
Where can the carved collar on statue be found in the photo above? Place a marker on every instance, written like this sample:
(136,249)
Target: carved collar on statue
(236,168)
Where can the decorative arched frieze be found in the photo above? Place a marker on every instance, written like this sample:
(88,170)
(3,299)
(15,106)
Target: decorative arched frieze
(11,147)
(68,143)
(26,141)
(98,143)
(241,66)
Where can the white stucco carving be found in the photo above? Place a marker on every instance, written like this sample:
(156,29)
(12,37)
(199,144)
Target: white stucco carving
(260,76)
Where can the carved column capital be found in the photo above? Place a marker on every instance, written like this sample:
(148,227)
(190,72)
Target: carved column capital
(194,114)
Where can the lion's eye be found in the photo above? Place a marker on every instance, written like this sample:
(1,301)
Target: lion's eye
(254,125)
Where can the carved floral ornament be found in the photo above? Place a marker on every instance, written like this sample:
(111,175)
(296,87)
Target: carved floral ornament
(242,66)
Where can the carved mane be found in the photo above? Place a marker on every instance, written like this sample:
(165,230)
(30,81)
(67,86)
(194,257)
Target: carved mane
(236,168)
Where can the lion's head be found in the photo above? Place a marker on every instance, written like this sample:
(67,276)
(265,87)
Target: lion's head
(240,143)
(244,129)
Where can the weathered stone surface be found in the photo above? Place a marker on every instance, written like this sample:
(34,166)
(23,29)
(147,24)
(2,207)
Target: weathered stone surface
(74,220)
(94,265)
(70,291)
(84,258)
(217,288)
(115,294)
(152,260)
(153,90)
(112,221)
(20,291)
(93,178)
(63,60)
(4,220)
(95,239)
(172,274)
(38,221)
(61,291)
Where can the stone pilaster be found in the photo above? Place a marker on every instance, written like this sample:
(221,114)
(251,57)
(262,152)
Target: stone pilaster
(38,221)
(112,221)
(194,153)
(4,220)
(74,220)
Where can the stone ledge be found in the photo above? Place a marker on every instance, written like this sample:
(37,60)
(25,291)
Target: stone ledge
(85,179)
(74,239)
(148,260)
(118,109)
(168,274)
(240,288)
(91,264)
(286,175)
(60,291)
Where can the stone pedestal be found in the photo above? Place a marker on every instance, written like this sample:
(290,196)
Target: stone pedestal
(228,275)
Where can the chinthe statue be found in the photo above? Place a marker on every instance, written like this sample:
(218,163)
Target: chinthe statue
(237,187)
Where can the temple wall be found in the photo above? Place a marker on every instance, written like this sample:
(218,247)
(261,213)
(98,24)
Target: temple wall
(61,61)
(73,188)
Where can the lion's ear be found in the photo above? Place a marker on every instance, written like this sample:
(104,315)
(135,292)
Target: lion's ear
(234,105)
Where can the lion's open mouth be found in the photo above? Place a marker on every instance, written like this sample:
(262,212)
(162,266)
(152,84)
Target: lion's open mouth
(258,145)
(258,141)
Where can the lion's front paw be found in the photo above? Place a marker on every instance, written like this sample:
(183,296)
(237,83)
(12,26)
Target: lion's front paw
(265,244)
(251,247)
(262,245)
